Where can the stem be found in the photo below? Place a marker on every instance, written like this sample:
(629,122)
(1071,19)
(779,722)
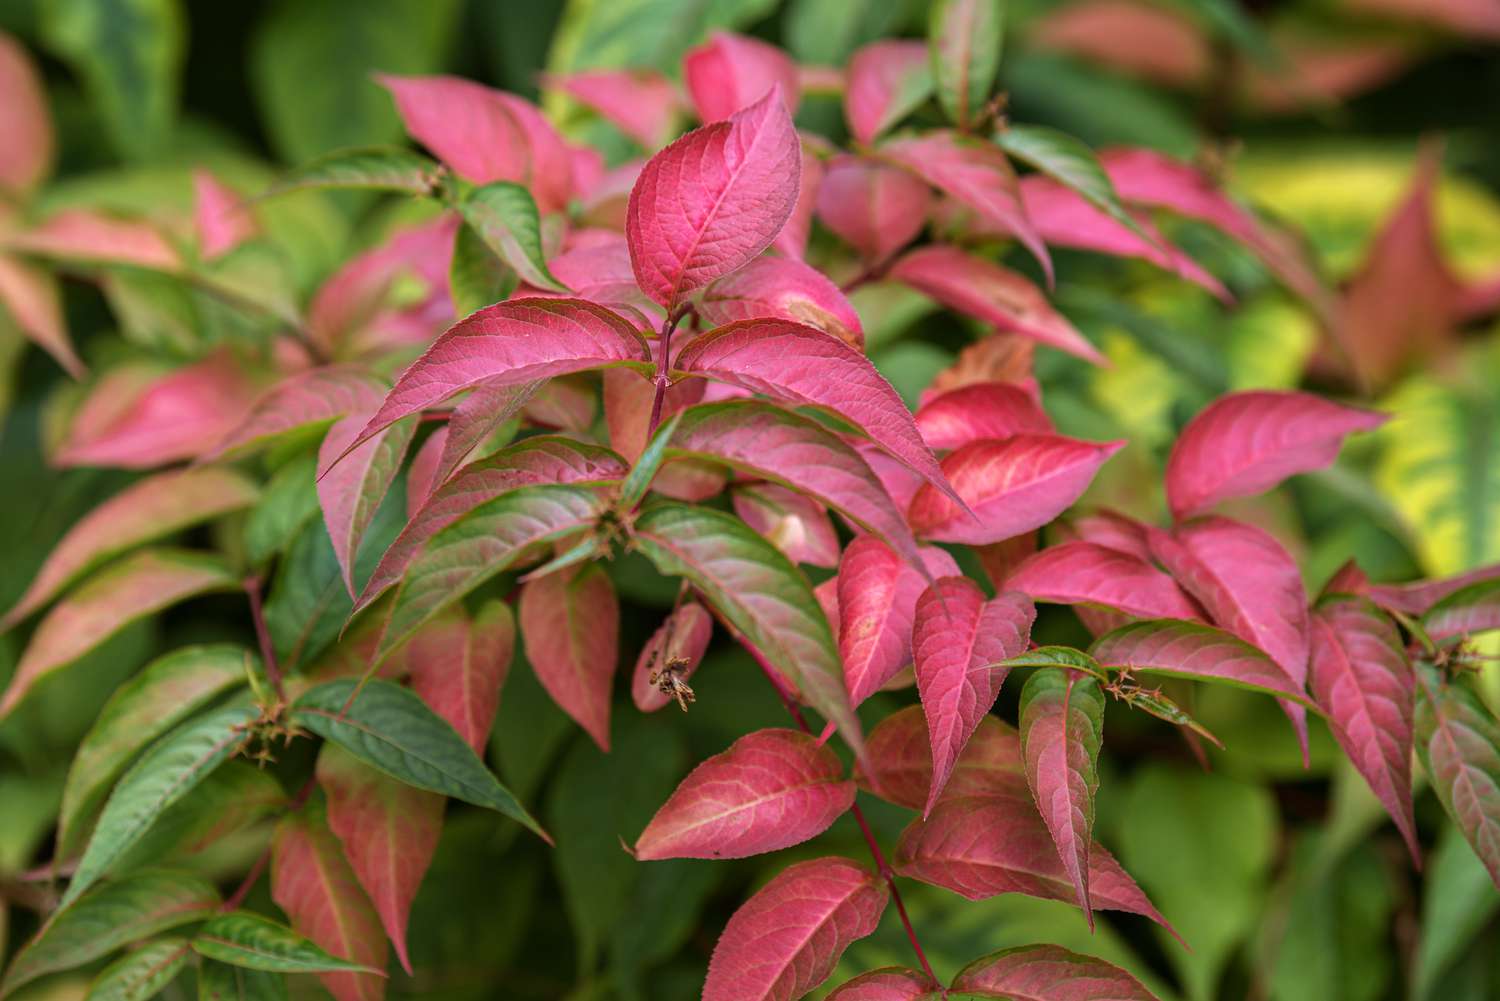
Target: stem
(263,635)
(661,380)
(258,869)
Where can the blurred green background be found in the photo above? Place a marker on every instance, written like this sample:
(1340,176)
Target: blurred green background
(1290,884)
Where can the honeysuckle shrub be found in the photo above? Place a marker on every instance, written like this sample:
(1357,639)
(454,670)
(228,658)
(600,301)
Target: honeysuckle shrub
(756,524)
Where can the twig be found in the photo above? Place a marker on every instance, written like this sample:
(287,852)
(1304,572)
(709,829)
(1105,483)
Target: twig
(663,383)
(263,635)
(258,869)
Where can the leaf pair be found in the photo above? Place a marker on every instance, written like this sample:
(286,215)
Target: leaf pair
(1024,973)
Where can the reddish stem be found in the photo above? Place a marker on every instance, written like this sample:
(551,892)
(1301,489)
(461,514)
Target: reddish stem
(258,869)
(662,381)
(263,635)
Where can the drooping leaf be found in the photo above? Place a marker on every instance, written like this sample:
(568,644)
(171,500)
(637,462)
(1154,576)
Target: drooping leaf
(307,401)
(31,298)
(779,287)
(372,168)
(1414,598)
(570,625)
(770,790)
(389,727)
(983,410)
(885,82)
(135,587)
(256,943)
(166,772)
(1469,610)
(1062,726)
(505,216)
(25,121)
(111,916)
(1070,162)
(889,984)
(163,694)
(758,592)
(959,641)
(141,974)
(786,939)
(713,200)
(477,276)
(964,36)
(730,72)
(1361,678)
(1458,742)
(1048,973)
(351,485)
(1193,650)
(641,103)
(85,236)
(1075,573)
(1011,485)
(991,293)
(1247,442)
(389,831)
(459,667)
(313,884)
(875,208)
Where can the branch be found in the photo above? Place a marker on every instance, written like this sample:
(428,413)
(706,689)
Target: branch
(263,635)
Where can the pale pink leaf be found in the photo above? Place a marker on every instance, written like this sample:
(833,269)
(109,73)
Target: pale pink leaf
(713,200)
(776,287)
(805,367)
(221,218)
(791,521)
(601,273)
(1464,18)
(889,984)
(93,238)
(670,657)
(458,666)
(981,410)
(312,882)
(485,134)
(877,600)
(786,940)
(350,490)
(389,832)
(1363,681)
(770,790)
(641,103)
(998,357)
(567,403)
(149,509)
(791,242)
(26,140)
(1192,650)
(570,624)
(1048,973)
(1417,597)
(30,296)
(317,396)
(884,83)
(901,758)
(1011,485)
(1157,43)
(958,643)
(1245,443)
(875,208)
(993,294)
(730,72)
(421,476)
(1087,573)
(1113,530)
(977,175)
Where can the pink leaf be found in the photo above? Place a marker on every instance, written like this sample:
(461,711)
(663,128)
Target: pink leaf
(316,396)
(791,242)
(641,103)
(535,460)
(713,200)
(220,217)
(900,752)
(87,236)
(877,600)
(313,884)
(804,367)
(999,357)
(26,142)
(567,403)
(1417,597)
(885,82)
(30,296)
(982,410)
(148,509)
(627,407)
(794,523)
(421,476)
(1245,443)
(875,208)
(993,294)
(1464,18)
(1048,973)
(730,72)
(772,789)
(1116,531)
(1157,43)
(770,287)
(1167,646)
(958,642)
(889,984)
(1012,486)
(350,491)
(511,343)
(977,175)
(389,832)
(786,939)
(474,419)
(486,135)
(1086,573)
(670,656)
(601,272)
(1361,678)
(458,666)
(570,624)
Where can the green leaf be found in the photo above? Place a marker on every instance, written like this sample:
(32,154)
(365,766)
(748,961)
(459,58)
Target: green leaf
(1071,163)
(1458,900)
(288,502)
(964,39)
(1152,701)
(477,277)
(377,168)
(230,799)
(257,943)
(167,691)
(1059,656)
(141,974)
(826,34)
(311,63)
(168,770)
(638,480)
(112,915)
(481,544)
(391,728)
(505,217)
(1458,742)
(597,34)
(129,54)
(222,982)
(759,593)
